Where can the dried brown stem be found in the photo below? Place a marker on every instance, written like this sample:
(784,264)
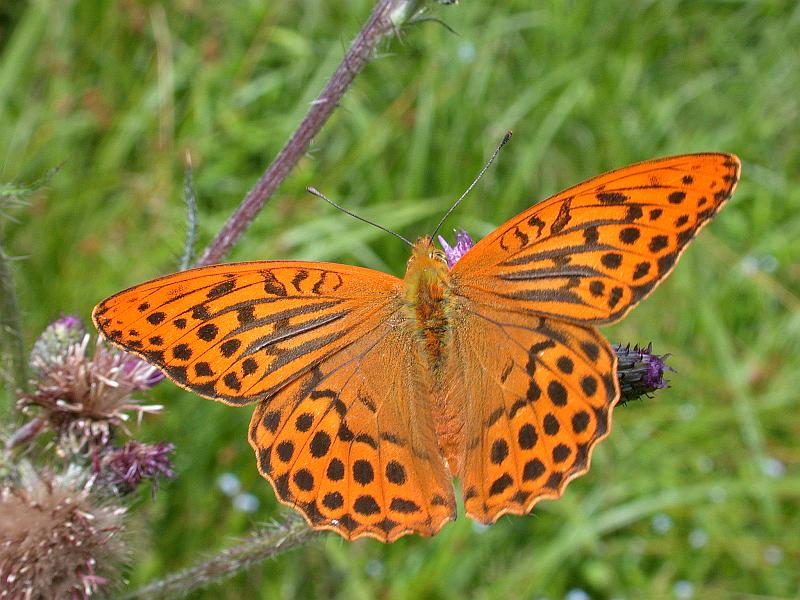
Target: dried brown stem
(385,18)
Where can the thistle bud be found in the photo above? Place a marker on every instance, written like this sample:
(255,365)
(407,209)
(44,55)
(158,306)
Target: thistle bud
(639,371)
(143,374)
(55,340)
(83,396)
(126,467)
(57,539)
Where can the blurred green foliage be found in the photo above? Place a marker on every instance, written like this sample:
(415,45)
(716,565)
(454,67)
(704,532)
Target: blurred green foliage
(697,492)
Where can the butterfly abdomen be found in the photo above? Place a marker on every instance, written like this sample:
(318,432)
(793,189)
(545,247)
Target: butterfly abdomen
(432,321)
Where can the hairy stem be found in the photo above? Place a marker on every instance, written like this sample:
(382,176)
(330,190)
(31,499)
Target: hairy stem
(385,18)
(25,434)
(258,546)
(191,215)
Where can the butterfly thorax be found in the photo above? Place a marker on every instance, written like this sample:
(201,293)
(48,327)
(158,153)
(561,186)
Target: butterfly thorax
(427,299)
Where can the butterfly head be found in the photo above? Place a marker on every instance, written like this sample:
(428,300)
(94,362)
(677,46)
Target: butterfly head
(427,266)
(425,254)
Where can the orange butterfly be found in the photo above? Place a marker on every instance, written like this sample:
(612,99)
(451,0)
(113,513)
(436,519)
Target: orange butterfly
(373,392)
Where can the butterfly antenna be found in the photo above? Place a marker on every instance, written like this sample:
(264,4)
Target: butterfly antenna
(318,194)
(506,137)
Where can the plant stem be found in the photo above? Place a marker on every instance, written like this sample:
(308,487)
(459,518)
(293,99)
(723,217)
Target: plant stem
(11,326)
(385,18)
(258,546)
(191,215)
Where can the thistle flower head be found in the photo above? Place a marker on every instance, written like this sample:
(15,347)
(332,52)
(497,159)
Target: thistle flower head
(55,340)
(84,396)
(454,253)
(639,371)
(56,539)
(126,467)
(145,375)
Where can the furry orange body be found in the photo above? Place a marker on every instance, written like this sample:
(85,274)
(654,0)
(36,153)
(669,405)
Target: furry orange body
(427,294)
(428,304)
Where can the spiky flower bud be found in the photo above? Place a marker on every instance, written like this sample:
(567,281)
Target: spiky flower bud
(463,244)
(126,467)
(639,371)
(84,396)
(406,11)
(57,540)
(55,340)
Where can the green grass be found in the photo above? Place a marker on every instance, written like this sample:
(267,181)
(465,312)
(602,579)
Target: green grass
(119,91)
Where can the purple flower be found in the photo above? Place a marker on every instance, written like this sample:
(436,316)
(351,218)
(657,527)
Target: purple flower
(126,467)
(145,375)
(55,340)
(69,322)
(463,244)
(639,371)
(84,395)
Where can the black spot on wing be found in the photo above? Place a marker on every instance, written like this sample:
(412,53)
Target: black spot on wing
(272,285)
(500,484)
(563,218)
(229,347)
(612,198)
(156,317)
(221,289)
(299,277)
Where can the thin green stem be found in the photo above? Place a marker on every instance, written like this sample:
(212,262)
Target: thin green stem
(11,341)
(258,546)
(191,215)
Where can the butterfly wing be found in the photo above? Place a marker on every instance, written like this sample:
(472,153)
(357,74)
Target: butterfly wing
(352,445)
(537,396)
(590,253)
(342,429)
(539,380)
(238,332)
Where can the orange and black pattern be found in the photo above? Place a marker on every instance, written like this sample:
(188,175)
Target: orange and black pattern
(372,392)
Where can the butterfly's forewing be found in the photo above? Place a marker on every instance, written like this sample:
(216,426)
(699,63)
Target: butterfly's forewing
(592,252)
(537,396)
(342,429)
(238,332)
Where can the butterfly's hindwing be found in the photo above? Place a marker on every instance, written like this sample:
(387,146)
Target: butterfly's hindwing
(537,396)
(351,444)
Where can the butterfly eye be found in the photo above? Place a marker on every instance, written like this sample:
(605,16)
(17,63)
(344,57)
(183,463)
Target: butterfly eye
(437,254)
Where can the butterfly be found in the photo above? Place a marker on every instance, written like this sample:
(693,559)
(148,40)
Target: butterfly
(372,393)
